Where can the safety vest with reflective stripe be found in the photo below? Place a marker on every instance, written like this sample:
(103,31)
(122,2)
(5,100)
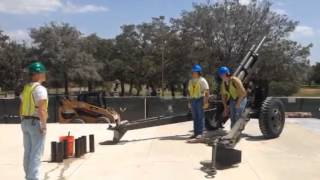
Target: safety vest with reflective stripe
(28,106)
(229,91)
(194,88)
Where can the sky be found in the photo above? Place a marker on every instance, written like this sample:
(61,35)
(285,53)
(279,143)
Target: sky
(105,17)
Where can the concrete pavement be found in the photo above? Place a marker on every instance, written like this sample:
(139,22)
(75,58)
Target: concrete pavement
(161,153)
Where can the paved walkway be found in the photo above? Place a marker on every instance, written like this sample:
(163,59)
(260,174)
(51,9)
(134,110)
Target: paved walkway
(160,153)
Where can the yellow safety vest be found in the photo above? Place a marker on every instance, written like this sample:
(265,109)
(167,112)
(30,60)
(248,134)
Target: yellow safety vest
(27,102)
(230,91)
(194,89)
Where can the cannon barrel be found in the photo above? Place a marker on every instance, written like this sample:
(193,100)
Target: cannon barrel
(244,60)
(249,61)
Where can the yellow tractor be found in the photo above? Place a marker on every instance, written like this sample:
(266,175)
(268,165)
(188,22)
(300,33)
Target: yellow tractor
(79,111)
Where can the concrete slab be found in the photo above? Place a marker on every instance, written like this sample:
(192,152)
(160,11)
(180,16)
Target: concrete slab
(161,153)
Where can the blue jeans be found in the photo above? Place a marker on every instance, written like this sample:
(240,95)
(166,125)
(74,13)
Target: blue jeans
(33,142)
(197,116)
(234,112)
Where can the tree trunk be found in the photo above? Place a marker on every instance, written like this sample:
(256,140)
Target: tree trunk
(138,90)
(153,90)
(122,88)
(90,86)
(131,87)
(66,84)
(185,89)
(172,90)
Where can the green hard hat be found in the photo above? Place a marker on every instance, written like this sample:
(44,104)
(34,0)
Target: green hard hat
(36,67)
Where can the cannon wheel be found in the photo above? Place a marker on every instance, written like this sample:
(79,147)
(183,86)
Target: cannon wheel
(272,118)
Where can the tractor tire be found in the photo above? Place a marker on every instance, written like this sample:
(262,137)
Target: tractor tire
(272,118)
(77,121)
(215,120)
(210,124)
(103,120)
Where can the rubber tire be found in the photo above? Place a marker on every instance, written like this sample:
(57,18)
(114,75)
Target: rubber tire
(77,121)
(209,119)
(208,125)
(272,110)
(103,120)
(217,118)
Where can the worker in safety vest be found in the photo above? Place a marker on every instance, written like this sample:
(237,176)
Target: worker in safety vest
(34,114)
(198,91)
(233,95)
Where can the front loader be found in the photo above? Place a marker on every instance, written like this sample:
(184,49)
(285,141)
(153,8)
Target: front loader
(79,111)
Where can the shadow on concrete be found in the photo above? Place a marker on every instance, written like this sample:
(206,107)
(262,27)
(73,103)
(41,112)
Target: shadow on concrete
(46,174)
(211,174)
(184,137)
(172,138)
(249,137)
(176,137)
(65,166)
(221,167)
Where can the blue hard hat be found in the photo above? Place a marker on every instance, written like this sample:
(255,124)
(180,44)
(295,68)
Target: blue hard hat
(196,68)
(223,70)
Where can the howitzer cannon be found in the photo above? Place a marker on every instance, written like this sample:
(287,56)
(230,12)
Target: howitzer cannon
(268,110)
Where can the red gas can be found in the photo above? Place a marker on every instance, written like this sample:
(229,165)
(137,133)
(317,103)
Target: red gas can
(70,142)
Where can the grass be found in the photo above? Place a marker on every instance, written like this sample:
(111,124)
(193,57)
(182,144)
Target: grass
(308,92)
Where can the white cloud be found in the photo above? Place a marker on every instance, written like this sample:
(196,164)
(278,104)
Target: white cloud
(306,35)
(39,6)
(74,8)
(303,31)
(280,11)
(247,2)
(244,2)
(19,35)
(28,6)
(278,3)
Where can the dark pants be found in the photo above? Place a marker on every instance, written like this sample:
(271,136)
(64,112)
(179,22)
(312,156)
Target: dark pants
(197,116)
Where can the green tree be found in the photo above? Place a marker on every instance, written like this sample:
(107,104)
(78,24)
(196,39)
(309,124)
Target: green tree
(12,63)
(162,46)
(103,51)
(221,33)
(126,55)
(60,45)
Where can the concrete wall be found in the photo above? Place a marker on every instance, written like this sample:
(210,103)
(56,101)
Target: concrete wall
(133,108)
(302,104)
(130,108)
